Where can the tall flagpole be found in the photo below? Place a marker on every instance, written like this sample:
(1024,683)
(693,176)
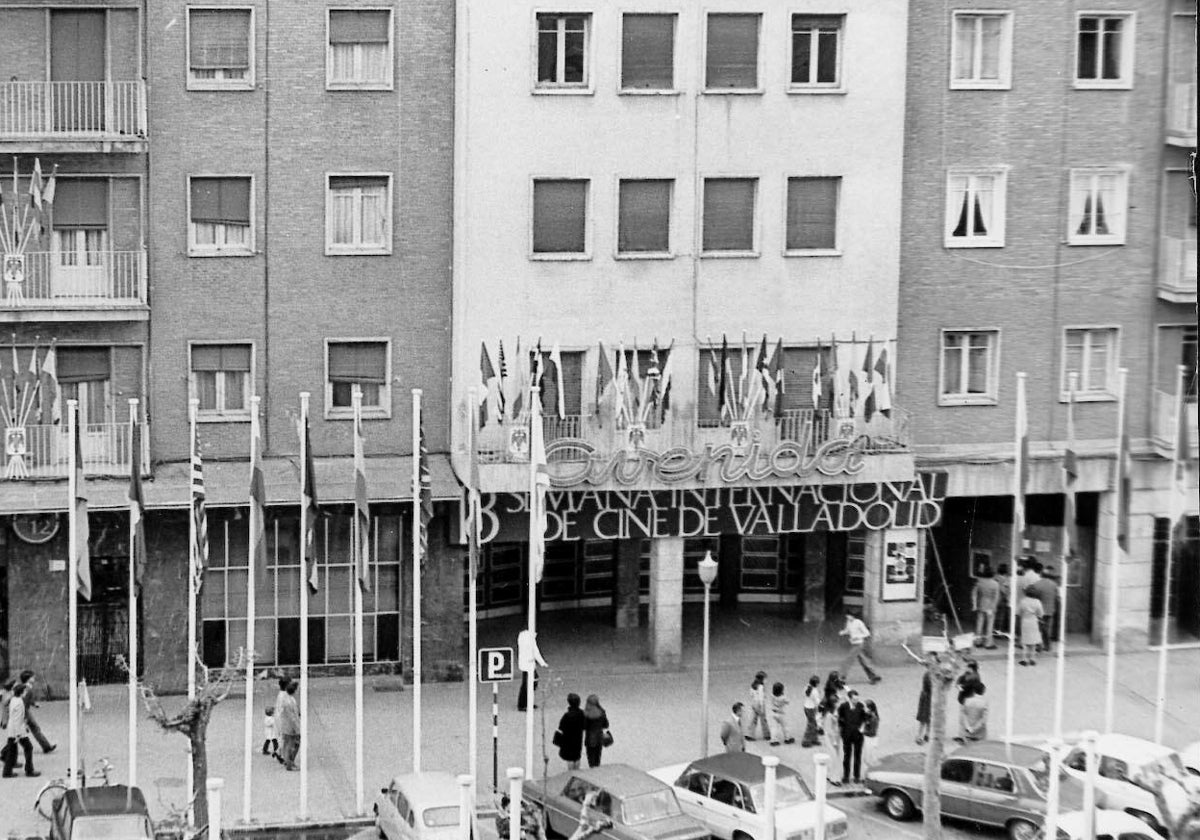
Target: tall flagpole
(193,563)
(472,589)
(1018,530)
(360,571)
(1177,457)
(251,573)
(133,607)
(416,576)
(531,605)
(302,813)
(73,597)
(1060,667)
(1110,682)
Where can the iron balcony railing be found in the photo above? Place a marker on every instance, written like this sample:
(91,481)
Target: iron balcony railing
(1181,112)
(1177,269)
(71,280)
(73,110)
(42,451)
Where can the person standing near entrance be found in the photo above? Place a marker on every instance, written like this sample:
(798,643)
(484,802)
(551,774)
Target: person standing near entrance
(1031,614)
(1046,591)
(851,718)
(289,726)
(858,633)
(18,734)
(985,598)
(812,701)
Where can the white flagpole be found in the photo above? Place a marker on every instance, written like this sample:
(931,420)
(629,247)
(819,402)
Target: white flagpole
(304,596)
(472,592)
(1060,667)
(194,562)
(1160,704)
(133,618)
(1022,431)
(72,597)
(251,573)
(1110,683)
(416,575)
(359,568)
(531,605)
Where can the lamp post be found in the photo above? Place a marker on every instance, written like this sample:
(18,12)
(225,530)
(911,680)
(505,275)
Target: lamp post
(708,573)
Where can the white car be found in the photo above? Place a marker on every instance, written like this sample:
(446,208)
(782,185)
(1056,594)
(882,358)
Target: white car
(1110,825)
(725,792)
(419,806)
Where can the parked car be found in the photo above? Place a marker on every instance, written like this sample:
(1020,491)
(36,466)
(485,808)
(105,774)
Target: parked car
(115,811)
(1110,825)
(631,804)
(419,806)
(726,793)
(986,782)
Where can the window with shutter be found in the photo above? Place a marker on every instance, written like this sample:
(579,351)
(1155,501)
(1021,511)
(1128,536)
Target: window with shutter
(560,217)
(220,216)
(360,50)
(365,365)
(221,380)
(729,215)
(648,52)
(816,51)
(220,48)
(731,55)
(644,217)
(812,205)
(358,214)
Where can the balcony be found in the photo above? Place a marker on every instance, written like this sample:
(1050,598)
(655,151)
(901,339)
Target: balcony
(1164,431)
(73,116)
(43,451)
(77,286)
(1177,270)
(1181,113)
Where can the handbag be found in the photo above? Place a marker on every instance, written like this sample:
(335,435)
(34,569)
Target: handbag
(556,740)
(608,738)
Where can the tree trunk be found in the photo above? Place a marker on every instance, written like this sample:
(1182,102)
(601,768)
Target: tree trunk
(931,806)
(198,737)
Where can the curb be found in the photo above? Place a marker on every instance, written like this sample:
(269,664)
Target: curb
(251,829)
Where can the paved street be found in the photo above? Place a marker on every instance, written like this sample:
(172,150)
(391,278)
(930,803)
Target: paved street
(654,718)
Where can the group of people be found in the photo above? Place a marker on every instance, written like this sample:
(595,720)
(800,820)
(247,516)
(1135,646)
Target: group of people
(972,706)
(281,725)
(1036,606)
(582,731)
(19,722)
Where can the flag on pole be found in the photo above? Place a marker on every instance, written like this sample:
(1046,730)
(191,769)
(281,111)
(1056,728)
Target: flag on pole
(556,360)
(1182,450)
(621,391)
(725,383)
(1070,476)
(604,380)
(311,508)
(362,510)
(744,376)
(1125,487)
(520,381)
(137,505)
(778,377)
(502,395)
(51,187)
(1021,473)
(762,391)
(425,491)
(539,484)
(667,373)
(83,562)
(491,385)
(50,407)
(200,549)
(258,502)
(868,369)
(883,392)
(35,184)
(635,380)
(712,370)
(816,379)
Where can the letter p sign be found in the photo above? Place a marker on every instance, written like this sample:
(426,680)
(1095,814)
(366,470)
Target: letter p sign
(495,665)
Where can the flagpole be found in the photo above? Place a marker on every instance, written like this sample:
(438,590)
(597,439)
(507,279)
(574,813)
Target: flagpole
(1110,683)
(1060,667)
(1176,464)
(360,570)
(193,563)
(472,593)
(416,575)
(72,594)
(531,605)
(1018,528)
(304,595)
(251,573)
(133,607)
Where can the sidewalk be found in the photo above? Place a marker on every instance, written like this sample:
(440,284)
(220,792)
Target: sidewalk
(655,717)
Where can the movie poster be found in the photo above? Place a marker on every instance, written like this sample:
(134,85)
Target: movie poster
(899,579)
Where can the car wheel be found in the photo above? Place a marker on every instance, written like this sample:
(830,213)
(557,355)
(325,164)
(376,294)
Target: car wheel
(898,805)
(1150,820)
(1020,830)
(741,835)
(550,832)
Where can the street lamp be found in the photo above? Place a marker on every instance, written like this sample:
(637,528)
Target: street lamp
(708,573)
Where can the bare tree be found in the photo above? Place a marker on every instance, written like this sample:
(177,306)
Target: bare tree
(1178,804)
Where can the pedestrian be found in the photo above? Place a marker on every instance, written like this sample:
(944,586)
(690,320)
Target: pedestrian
(1003,607)
(289,726)
(758,707)
(1031,572)
(851,716)
(829,726)
(968,680)
(833,688)
(1046,591)
(280,703)
(569,735)
(924,707)
(985,598)
(812,701)
(870,731)
(528,658)
(27,677)
(779,704)
(858,633)
(17,733)
(270,742)
(731,731)
(973,716)
(1031,613)
(596,735)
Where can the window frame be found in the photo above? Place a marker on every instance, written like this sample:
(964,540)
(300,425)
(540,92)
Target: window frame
(808,88)
(333,249)
(668,254)
(991,396)
(193,83)
(1125,82)
(588,216)
(1109,392)
(758,88)
(383,411)
(996,238)
(1006,49)
(675,89)
(247,250)
(755,222)
(835,251)
(390,84)
(584,88)
(222,415)
(1118,238)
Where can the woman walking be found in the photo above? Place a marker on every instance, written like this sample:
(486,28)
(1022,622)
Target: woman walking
(758,707)
(924,708)
(1031,613)
(596,735)
(779,704)
(569,735)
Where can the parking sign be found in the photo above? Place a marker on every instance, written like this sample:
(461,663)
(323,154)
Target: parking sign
(495,664)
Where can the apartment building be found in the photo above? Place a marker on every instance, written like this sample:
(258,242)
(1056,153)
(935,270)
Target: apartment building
(680,217)
(1050,228)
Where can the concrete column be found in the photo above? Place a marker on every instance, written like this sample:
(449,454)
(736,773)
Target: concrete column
(627,572)
(812,592)
(665,639)
(1134,574)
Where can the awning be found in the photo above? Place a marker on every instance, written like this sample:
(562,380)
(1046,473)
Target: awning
(227,484)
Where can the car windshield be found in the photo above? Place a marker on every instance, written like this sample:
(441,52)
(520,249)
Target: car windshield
(112,827)
(1040,773)
(440,817)
(789,790)
(648,806)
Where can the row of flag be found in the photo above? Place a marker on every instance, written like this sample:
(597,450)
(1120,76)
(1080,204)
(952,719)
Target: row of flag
(30,392)
(19,224)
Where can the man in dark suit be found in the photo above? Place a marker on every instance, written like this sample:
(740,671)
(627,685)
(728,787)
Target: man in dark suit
(851,716)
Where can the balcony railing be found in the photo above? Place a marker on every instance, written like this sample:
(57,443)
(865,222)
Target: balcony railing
(1181,113)
(76,279)
(73,110)
(1165,431)
(43,451)
(1177,270)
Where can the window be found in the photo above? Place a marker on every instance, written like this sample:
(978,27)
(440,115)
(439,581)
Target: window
(560,218)
(220,49)
(1097,207)
(85,374)
(1092,353)
(729,215)
(1104,51)
(975,209)
(364,363)
(816,51)
(1114,768)
(698,782)
(1077,760)
(969,367)
(562,48)
(994,777)
(219,210)
(731,54)
(360,49)
(957,770)
(358,214)
(981,52)
(221,380)
(812,205)
(644,218)
(647,52)
(81,260)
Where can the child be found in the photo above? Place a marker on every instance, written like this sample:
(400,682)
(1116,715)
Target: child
(870,733)
(779,703)
(270,743)
(758,707)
